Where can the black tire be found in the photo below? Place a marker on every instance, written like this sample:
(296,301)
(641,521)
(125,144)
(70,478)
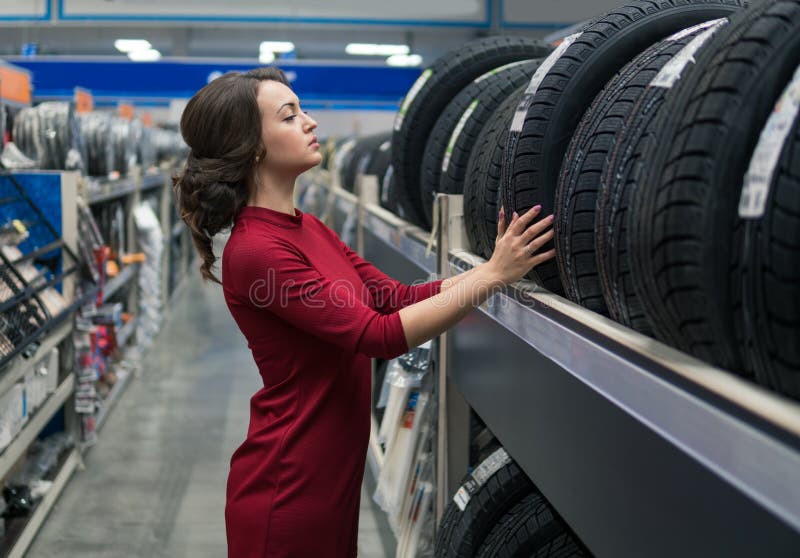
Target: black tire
(96,129)
(380,159)
(770,276)
(482,181)
(453,136)
(621,174)
(482,442)
(531,529)
(536,148)
(342,158)
(462,532)
(359,158)
(684,232)
(388,198)
(379,163)
(578,239)
(431,93)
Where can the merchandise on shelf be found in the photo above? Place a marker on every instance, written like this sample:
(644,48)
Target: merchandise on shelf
(29,484)
(404,486)
(151,241)
(12,414)
(96,132)
(49,134)
(13,159)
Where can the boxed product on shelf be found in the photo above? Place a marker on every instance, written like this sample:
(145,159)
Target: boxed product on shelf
(12,414)
(35,390)
(50,371)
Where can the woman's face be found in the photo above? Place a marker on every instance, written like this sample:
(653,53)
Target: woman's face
(287,132)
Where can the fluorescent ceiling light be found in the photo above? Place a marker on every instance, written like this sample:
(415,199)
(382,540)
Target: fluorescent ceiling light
(148,55)
(404,60)
(266,57)
(370,49)
(129,45)
(277,46)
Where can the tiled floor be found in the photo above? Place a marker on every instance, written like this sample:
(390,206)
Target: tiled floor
(154,485)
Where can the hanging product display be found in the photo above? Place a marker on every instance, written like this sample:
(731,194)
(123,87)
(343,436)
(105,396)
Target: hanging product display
(96,131)
(123,146)
(49,134)
(151,241)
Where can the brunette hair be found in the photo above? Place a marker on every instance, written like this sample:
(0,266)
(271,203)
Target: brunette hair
(222,127)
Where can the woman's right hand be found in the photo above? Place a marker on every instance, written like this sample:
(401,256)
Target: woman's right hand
(517,245)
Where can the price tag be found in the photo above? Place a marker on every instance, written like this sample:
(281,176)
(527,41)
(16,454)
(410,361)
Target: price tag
(448,153)
(125,110)
(84,102)
(672,70)
(15,84)
(758,178)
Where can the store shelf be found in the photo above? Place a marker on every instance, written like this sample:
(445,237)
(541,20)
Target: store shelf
(152,180)
(384,229)
(103,190)
(42,509)
(660,427)
(345,201)
(125,332)
(612,424)
(21,365)
(122,279)
(35,424)
(123,379)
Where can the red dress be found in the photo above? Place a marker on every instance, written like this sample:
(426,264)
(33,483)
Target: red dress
(313,312)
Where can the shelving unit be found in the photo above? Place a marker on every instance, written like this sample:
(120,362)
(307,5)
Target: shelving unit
(122,279)
(103,190)
(35,424)
(46,203)
(605,421)
(125,332)
(127,191)
(20,366)
(22,534)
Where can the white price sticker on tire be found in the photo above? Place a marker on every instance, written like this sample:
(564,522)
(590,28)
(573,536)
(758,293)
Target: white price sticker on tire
(758,178)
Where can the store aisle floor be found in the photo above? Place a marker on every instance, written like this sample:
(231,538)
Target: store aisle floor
(154,485)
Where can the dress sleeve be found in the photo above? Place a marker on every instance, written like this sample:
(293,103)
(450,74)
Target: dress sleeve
(389,294)
(281,280)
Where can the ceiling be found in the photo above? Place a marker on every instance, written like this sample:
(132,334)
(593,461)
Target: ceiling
(321,42)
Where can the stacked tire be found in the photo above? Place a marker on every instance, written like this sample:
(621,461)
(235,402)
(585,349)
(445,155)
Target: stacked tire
(641,134)
(724,171)
(451,101)
(355,157)
(662,137)
(499,512)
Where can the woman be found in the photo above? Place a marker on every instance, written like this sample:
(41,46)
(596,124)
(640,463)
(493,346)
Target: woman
(313,313)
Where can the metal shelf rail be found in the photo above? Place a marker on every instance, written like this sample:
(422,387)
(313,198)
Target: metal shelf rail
(643,450)
(116,283)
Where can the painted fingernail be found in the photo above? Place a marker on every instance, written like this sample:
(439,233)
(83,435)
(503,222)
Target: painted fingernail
(551,218)
(537,208)
(515,215)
